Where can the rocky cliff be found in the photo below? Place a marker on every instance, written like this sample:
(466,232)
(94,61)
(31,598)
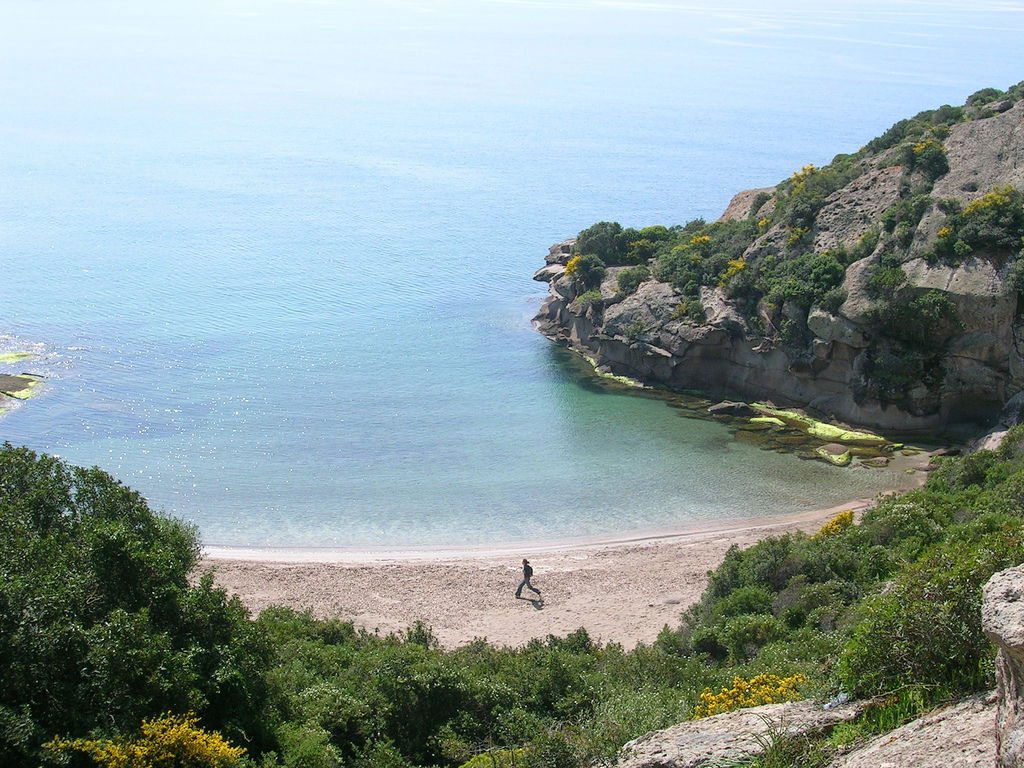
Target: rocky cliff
(881,290)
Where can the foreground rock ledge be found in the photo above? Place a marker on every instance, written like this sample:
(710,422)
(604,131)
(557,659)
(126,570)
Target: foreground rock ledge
(732,736)
(1002,618)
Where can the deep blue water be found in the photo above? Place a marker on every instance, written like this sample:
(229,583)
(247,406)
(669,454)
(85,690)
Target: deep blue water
(276,255)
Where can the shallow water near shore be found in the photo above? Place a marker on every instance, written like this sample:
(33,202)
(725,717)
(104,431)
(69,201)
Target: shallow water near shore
(275,256)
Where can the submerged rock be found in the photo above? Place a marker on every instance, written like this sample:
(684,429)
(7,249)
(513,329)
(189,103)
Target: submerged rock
(22,386)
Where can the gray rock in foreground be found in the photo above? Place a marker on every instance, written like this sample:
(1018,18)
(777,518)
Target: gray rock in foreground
(730,736)
(1002,618)
(958,736)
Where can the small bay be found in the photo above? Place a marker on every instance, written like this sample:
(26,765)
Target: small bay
(275,256)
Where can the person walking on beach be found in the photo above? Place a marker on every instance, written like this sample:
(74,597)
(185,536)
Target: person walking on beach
(527,575)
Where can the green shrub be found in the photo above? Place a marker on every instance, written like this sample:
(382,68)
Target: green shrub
(744,635)
(926,628)
(630,279)
(588,299)
(907,212)
(993,223)
(99,626)
(588,270)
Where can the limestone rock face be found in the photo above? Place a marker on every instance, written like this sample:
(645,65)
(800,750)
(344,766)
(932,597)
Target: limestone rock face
(1002,618)
(849,213)
(740,206)
(728,737)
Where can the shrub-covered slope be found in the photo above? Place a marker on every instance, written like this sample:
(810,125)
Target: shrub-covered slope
(881,289)
(100,631)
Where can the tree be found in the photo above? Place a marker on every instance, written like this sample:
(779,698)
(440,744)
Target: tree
(99,626)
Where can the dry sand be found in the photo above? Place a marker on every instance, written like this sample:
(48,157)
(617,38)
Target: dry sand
(622,591)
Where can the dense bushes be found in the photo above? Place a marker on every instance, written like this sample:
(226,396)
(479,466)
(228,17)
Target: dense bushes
(99,627)
(993,223)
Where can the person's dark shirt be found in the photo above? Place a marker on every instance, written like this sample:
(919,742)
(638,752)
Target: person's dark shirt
(527,571)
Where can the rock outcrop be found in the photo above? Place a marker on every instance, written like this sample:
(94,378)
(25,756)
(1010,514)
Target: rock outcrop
(845,364)
(957,736)
(733,736)
(1003,621)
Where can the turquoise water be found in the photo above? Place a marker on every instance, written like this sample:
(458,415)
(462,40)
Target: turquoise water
(276,256)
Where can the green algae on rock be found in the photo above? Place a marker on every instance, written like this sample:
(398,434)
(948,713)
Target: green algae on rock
(22,386)
(820,429)
(16,357)
(836,454)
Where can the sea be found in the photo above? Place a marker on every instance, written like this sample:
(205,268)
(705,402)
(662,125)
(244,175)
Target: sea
(274,257)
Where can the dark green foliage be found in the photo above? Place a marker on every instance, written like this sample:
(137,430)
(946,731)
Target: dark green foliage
(928,157)
(994,224)
(984,96)
(100,627)
(926,628)
(804,280)
(701,256)
(907,212)
(613,245)
(602,240)
(589,271)
(629,279)
(1015,275)
(928,123)
(588,299)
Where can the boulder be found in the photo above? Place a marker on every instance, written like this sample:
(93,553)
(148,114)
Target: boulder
(720,312)
(1002,618)
(560,253)
(729,737)
(829,327)
(548,273)
(954,736)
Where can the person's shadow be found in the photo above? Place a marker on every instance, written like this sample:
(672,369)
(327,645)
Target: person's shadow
(536,602)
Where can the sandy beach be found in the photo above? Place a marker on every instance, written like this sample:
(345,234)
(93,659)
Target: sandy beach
(623,591)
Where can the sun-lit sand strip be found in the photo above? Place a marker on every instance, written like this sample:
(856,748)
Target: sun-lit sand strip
(623,591)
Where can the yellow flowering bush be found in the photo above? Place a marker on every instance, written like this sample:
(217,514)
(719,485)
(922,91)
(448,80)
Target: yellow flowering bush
(796,235)
(764,223)
(734,267)
(929,145)
(573,266)
(800,177)
(944,232)
(169,741)
(837,524)
(762,689)
(700,239)
(1000,197)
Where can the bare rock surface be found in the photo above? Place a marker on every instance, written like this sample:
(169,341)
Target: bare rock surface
(958,736)
(852,211)
(1002,618)
(739,207)
(728,737)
